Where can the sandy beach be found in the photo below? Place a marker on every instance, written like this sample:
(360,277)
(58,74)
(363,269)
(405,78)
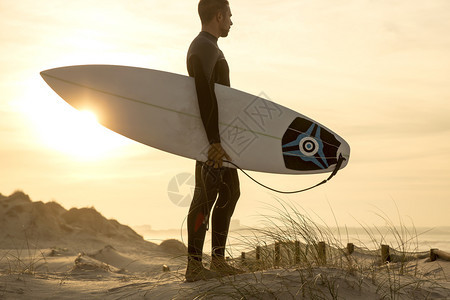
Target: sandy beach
(48,252)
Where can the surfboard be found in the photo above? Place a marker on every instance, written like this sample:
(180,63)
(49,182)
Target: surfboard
(160,109)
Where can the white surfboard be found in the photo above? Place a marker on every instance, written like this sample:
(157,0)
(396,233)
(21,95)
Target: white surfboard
(160,109)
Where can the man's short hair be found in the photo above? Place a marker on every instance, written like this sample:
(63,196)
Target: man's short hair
(207,9)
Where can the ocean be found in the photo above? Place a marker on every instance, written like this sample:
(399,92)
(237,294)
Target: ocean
(410,239)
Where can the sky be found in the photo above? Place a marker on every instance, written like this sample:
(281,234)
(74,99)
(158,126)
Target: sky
(375,72)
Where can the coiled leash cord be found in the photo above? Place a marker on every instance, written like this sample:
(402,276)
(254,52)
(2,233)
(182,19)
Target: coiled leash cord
(217,176)
(341,159)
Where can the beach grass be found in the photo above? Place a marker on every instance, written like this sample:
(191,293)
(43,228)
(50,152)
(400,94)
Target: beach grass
(292,256)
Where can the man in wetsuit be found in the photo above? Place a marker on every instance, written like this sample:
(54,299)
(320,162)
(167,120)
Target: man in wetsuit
(207,64)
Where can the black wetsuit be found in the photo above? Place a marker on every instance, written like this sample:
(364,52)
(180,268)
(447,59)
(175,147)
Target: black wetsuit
(207,64)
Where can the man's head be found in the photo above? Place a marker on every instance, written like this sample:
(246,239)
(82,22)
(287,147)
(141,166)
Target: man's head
(215,14)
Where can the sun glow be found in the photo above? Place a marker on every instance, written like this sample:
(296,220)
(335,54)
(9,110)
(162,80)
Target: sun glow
(81,136)
(67,130)
(88,117)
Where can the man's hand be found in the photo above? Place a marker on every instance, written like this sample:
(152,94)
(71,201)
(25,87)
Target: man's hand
(216,154)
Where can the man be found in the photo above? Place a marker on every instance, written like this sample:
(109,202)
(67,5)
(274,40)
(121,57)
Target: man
(207,64)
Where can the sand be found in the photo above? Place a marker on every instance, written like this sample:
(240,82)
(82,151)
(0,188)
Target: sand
(48,252)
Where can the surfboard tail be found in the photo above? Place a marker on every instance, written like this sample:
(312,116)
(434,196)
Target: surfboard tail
(344,151)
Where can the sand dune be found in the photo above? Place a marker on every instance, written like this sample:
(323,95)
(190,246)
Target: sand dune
(48,252)
(48,224)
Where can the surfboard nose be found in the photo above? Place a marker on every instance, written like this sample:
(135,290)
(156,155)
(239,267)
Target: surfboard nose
(49,72)
(344,150)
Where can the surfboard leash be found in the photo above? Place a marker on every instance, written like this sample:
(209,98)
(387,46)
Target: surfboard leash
(341,159)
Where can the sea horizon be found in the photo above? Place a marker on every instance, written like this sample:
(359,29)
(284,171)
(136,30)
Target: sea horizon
(417,239)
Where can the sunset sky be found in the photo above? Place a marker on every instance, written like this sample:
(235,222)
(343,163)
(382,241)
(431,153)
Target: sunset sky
(375,72)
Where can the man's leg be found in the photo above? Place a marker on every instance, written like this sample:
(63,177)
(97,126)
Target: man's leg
(206,187)
(228,196)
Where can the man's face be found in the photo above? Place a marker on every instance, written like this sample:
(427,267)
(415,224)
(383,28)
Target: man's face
(225,22)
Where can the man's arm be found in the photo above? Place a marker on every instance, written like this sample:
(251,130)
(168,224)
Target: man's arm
(207,100)
(209,112)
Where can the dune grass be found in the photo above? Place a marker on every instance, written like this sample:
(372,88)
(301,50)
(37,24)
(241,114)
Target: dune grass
(24,259)
(285,260)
